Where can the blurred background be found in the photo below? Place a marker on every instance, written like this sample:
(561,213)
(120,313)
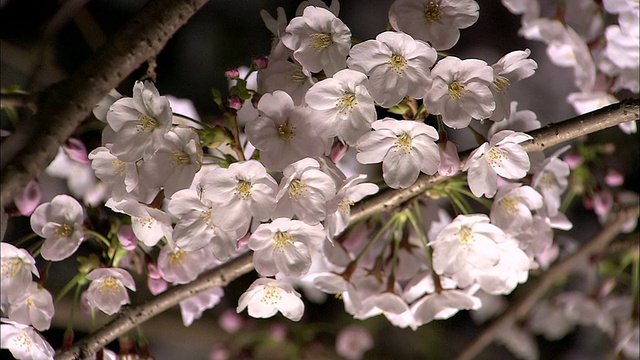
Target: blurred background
(43,41)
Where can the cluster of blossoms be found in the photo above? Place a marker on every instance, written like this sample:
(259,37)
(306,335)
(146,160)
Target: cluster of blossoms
(317,97)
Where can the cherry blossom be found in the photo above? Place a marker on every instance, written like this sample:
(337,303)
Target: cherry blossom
(435,21)
(180,266)
(339,208)
(34,307)
(140,122)
(287,76)
(175,163)
(265,297)
(107,289)
(443,305)
(244,190)
(501,156)
(17,267)
(60,223)
(460,91)
(510,69)
(319,40)
(405,148)
(512,206)
(353,341)
(304,191)
(192,308)
(397,66)
(24,342)
(282,132)
(344,106)
(282,246)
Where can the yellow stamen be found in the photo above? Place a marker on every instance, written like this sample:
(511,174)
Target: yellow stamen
(243,190)
(495,157)
(457,90)
(397,63)
(433,12)
(63,230)
(281,240)
(121,167)
(319,41)
(177,258)
(502,84)
(403,144)
(510,205)
(179,159)
(466,237)
(286,131)
(271,295)
(11,268)
(146,123)
(109,286)
(346,103)
(297,190)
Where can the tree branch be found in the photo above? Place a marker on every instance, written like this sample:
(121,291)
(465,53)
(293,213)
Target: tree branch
(522,307)
(225,273)
(550,135)
(131,317)
(64,106)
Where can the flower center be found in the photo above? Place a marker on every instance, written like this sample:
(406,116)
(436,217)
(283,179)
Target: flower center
(11,268)
(281,240)
(243,190)
(397,63)
(177,258)
(466,238)
(23,341)
(120,166)
(63,230)
(109,286)
(297,190)
(319,41)
(510,205)
(433,12)
(148,222)
(145,123)
(495,157)
(286,131)
(345,206)
(346,103)
(502,84)
(457,90)
(29,302)
(205,215)
(548,181)
(271,295)
(403,144)
(179,159)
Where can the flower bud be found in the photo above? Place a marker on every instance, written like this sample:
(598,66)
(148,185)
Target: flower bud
(232,74)
(261,61)
(235,102)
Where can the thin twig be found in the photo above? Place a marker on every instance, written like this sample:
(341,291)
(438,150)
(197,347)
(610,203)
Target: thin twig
(522,307)
(64,106)
(131,317)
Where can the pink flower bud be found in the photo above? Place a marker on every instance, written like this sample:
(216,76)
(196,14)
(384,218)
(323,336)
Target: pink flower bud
(127,238)
(613,178)
(449,160)
(29,199)
(75,150)
(261,61)
(156,286)
(232,74)
(235,102)
(602,202)
(573,160)
(338,150)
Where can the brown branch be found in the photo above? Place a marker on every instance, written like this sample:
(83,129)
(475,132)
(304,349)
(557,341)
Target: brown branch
(550,135)
(230,271)
(131,317)
(64,106)
(522,307)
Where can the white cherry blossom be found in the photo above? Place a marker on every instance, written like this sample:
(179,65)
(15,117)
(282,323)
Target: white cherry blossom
(502,156)
(282,132)
(339,208)
(139,122)
(435,21)
(344,106)
(282,246)
(443,305)
(287,76)
(460,91)
(107,290)
(468,242)
(397,66)
(404,147)
(198,224)
(192,308)
(319,40)
(244,190)
(304,191)
(265,297)
(60,223)
(510,69)
(149,224)
(180,266)
(24,342)
(175,163)
(17,266)
(34,306)
(512,206)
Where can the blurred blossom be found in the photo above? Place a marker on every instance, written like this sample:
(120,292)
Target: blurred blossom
(353,341)
(230,321)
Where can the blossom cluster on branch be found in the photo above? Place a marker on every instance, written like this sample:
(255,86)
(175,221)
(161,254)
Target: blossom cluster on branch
(168,196)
